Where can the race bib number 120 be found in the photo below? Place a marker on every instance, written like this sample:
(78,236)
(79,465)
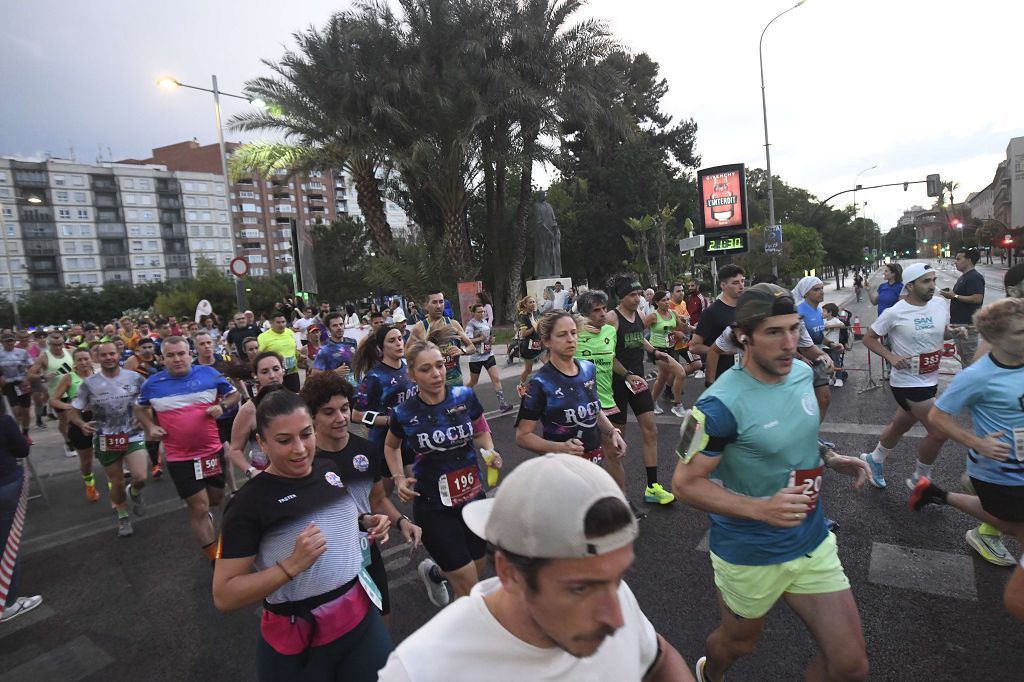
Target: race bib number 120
(811,480)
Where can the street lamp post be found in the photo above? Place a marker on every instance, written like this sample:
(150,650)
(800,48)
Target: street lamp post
(764,114)
(170,83)
(7,259)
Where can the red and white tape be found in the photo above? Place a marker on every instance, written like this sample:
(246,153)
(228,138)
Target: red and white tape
(10,554)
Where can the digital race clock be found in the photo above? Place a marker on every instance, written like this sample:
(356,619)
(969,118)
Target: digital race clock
(726,244)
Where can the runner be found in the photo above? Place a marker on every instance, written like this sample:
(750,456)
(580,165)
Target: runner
(281,340)
(717,317)
(117,437)
(207,356)
(146,363)
(755,465)
(450,343)
(64,394)
(185,398)
(563,397)
(991,389)
(360,462)
(14,366)
(303,559)
(335,355)
(559,608)
(965,299)
(245,327)
(885,297)
(445,428)
(628,386)
(530,346)
(696,301)
(127,333)
(665,326)
(681,305)
(244,449)
(54,362)
(478,330)
(809,294)
(36,345)
(858,286)
(916,326)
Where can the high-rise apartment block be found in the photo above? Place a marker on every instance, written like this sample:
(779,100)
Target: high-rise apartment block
(68,223)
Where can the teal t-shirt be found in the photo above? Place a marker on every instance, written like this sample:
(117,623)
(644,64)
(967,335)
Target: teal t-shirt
(767,438)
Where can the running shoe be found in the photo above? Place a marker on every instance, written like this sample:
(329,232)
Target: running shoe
(699,374)
(21,605)
(637,512)
(923,493)
(827,443)
(839,383)
(655,494)
(698,669)
(156,472)
(679,411)
(91,493)
(504,406)
(124,528)
(877,477)
(138,508)
(913,480)
(437,592)
(69,451)
(990,547)
(40,423)
(658,409)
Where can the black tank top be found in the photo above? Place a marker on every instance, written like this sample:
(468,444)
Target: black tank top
(629,343)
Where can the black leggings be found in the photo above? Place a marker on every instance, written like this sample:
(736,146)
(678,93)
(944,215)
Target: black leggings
(353,657)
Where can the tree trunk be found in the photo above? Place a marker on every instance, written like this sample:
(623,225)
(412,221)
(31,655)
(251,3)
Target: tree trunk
(371,204)
(519,229)
(494,198)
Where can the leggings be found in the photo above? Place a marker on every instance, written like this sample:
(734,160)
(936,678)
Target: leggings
(353,657)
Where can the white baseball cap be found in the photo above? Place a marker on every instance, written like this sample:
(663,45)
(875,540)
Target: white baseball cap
(539,510)
(398,316)
(915,271)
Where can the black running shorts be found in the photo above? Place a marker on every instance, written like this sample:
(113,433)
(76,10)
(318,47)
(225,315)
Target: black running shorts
(640,403)
(78,438)
(913,394)
(477,367)
(184,476)
(11,391)
(448,539)
(1004,502)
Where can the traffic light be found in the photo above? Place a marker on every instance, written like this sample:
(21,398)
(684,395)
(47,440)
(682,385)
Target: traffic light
(956,224)
(1008,241)
(934,185)
(925,240)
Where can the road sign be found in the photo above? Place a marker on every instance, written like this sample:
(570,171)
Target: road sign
(691,243)
(773,239)
(239,266)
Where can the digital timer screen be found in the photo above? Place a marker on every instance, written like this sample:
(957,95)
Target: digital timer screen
(735,243)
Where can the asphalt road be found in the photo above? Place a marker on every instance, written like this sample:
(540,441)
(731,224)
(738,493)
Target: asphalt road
(140,608)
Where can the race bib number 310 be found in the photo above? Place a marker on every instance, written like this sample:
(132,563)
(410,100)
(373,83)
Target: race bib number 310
(114,442)
(459,486)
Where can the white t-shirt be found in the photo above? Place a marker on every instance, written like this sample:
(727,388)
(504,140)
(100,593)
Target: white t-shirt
(301,326)
(832,328)
(464,642)
(915,331)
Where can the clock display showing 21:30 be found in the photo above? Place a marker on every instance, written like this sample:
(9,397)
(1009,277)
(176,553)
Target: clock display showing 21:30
(731,244)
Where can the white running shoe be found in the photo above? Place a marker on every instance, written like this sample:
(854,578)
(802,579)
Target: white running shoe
(21,605)
(658,409)
(699,374)
(839,383)
(679,411)
(436,592)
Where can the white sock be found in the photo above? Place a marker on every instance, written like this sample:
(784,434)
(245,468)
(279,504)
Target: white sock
(923,470)
(880,453)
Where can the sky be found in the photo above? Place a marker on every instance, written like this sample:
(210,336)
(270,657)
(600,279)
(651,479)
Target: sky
(910,86)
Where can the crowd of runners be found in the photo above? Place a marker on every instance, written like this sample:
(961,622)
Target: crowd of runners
(315,430)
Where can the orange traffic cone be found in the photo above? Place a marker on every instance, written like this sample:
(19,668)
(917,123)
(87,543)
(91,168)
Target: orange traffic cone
(857,332)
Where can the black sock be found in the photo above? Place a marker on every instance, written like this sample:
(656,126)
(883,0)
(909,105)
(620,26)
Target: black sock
(436,575)
(652,476)
(932,494)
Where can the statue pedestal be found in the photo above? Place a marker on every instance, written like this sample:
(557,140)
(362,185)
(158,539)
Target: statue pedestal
(535,287)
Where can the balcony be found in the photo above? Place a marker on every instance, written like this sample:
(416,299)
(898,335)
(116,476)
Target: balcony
(113,230)
(251,246)
(106,200)
(173,231)
(30,178)
(184,272)
(172,246)
(113,247)
(170,216)
(43,230)
(102,183)
(45,282)
(167,186)
(177,261)
(113,262)
(118,275)
(109,216)
(42,265)
(168,202)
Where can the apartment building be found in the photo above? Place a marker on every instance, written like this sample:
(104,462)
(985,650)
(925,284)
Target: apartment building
(262,209)
(71,224)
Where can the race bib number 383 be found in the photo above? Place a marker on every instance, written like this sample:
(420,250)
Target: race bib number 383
(459,486)
(929,362)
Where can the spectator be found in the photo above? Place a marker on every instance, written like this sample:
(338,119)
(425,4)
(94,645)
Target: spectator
(13,446)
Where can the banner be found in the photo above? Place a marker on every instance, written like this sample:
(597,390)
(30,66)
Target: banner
(302,257)
(467,297)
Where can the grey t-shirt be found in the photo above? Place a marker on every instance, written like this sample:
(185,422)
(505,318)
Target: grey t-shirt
(15,364)
(476,328)
(111,401)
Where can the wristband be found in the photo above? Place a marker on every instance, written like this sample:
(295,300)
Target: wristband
(281,566)
(398,524)
(369,417)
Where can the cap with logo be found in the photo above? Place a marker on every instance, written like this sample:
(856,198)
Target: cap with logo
(762,301)
(627,285)
(539,510)
(916,271)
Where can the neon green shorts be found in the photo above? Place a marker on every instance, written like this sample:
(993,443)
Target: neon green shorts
(107,458)
(751,591)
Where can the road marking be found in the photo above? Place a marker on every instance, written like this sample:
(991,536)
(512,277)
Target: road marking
(398,563)
(74,660)
(923,570)
(36,615)
(705,542)
(84,530)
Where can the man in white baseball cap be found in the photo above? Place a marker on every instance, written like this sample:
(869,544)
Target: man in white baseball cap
(559,609)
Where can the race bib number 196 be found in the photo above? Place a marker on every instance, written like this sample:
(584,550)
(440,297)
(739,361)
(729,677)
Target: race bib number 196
(462,485)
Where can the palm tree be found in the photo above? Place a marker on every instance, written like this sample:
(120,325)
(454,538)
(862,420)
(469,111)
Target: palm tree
(321,100)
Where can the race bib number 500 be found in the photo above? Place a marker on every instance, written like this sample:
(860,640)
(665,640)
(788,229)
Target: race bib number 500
(207,467)
(459,486)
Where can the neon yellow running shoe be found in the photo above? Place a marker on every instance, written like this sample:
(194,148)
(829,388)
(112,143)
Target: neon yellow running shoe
(655,494)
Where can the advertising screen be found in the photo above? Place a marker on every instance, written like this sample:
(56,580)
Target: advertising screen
(723,198)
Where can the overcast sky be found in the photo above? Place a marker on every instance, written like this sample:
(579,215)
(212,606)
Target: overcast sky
(914,86)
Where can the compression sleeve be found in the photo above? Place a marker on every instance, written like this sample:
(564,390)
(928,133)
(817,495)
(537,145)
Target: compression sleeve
(720,424)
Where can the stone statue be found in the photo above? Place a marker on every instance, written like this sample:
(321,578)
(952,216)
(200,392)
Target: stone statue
(547,245)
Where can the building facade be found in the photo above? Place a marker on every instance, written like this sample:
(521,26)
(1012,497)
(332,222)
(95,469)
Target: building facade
(262,209)
(89,225)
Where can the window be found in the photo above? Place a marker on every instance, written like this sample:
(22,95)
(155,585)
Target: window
(157,277)
(142,277)
(83,214)
(128,183)
(132,213)
(248,220)
(87,247)
(152,245)
(59,180)
(190,202)
(251,208)
(62,196)
(149,231)
(192,215)
(220,202)
(139,261)
(136,245)
(88,262)
(80,197)
(203,202)
(68,230)
(144,183)
(78,181)
(154,261)
(134,230)
(3,175)
(64,213)
(5,193)
(247,195)
(147,215)
(145,200)
(207,230)
(70,246)
(201,187)
(224,232)
(218,188)
(91,279)
(190,186)
(74,279)
(206,215)
(8,212)
(129,198)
